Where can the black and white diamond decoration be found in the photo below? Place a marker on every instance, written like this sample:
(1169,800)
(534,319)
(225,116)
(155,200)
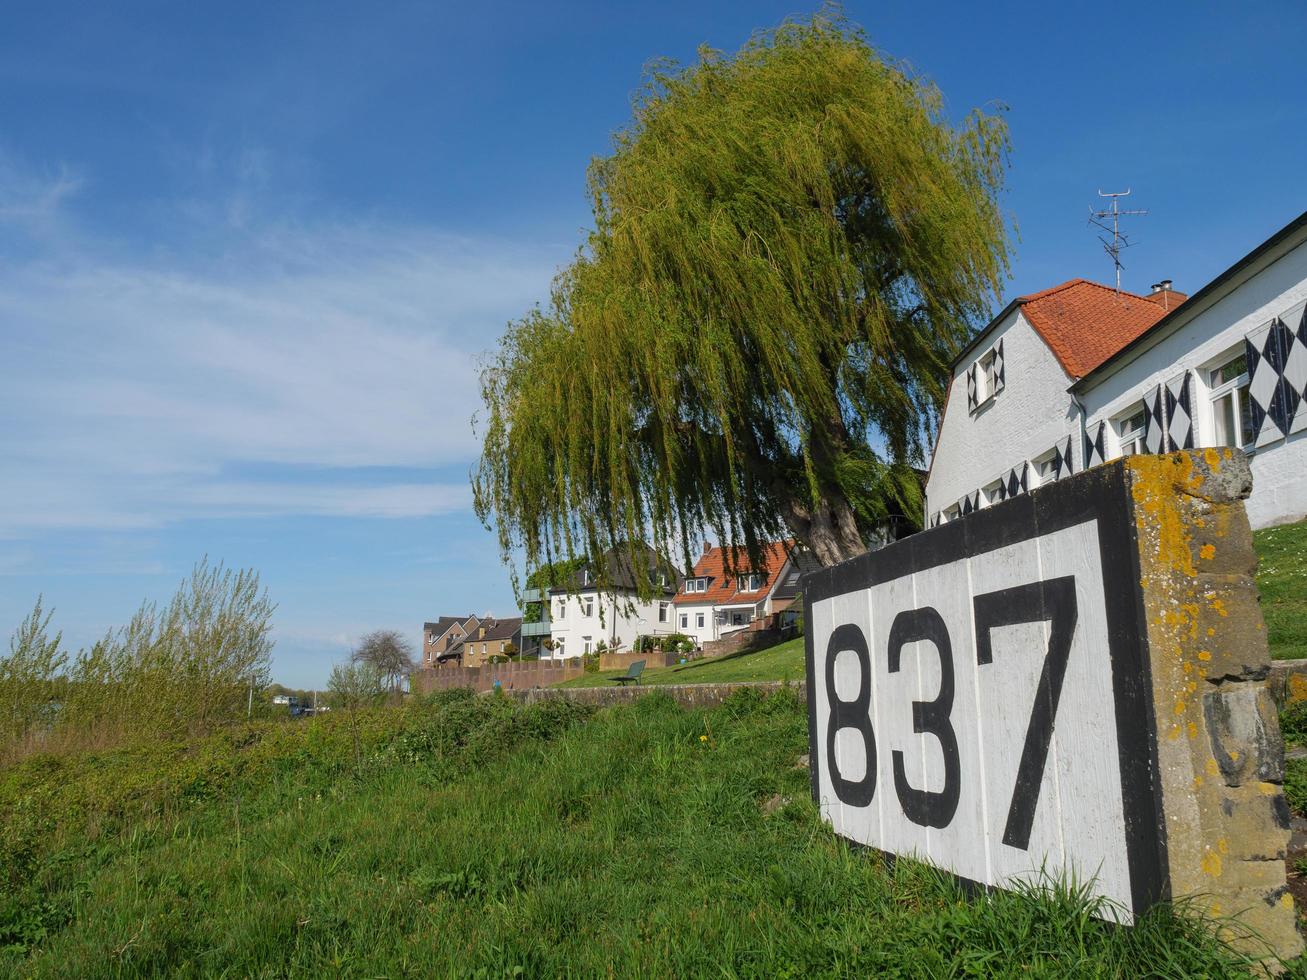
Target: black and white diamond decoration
(999,377)
(971,388)
(1095,444)
(1154,423)
(970,503)
(1179,413)
(1295,368)
(1271,403)
(934,521)
(1062,466)
(1014,483)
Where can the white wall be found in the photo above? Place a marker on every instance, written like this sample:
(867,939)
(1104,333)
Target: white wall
(700,634)
(1022,422)
(609,620)
(1279,469)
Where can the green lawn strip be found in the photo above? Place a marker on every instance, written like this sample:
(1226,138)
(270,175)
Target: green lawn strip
(542,843)
(779,663)
(1282,582)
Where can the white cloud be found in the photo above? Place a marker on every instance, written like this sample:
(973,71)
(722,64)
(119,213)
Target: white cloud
(142,390)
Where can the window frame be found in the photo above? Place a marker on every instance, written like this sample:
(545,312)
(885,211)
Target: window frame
(1136,436)
(1232,389)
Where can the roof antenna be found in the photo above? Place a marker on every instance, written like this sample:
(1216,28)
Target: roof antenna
(1119,241)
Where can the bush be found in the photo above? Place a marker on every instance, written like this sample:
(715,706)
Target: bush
(590,662)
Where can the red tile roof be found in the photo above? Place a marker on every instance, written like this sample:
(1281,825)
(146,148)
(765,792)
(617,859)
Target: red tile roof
(1085,323)
(721,589)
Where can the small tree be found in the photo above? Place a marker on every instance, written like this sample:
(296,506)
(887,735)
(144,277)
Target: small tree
(389,652)
(27,675)
(352,686)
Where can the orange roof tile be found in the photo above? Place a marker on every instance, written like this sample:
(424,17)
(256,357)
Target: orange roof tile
(1084,323)
(722,589)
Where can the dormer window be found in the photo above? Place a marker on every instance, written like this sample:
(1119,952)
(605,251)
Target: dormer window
(696,585)
(750,583)
(985,378)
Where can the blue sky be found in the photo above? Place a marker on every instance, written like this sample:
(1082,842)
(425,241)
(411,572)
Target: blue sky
(250,253)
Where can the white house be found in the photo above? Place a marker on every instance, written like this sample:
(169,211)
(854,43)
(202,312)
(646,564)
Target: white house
(1079,374)
(582,614)
(713,603)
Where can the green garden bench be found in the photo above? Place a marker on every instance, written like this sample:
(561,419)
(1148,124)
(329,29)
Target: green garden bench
(632,674)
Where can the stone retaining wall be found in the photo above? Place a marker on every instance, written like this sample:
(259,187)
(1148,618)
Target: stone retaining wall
(511,676)
(1288,681)
(690,695)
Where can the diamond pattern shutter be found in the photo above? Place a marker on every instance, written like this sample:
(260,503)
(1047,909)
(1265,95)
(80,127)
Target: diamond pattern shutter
(999,376)
(1154,424)
(1179,413)
(971,388)
(1268,393)
(1295,368)
(1062,466)
(1096,444)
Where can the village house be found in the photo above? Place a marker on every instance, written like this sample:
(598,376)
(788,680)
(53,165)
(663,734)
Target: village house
(713,602)
(1080,374)
(439,638)
(587,611)
(489,638)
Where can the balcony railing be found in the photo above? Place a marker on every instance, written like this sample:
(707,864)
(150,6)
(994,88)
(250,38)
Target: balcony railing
(536,629)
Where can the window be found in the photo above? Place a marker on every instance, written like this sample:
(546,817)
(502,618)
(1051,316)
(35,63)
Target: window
(750,583)
(685,621)
(483,649)
(992,493)
(662,612)
(1046,468)
(699,621)
(585,576)
(585,644)
(1130,431)
(588,606)
(1231,418)
(953,513)
(985,382)
(696,585)
(562,609)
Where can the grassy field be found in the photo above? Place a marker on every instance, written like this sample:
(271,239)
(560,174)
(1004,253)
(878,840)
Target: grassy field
(778,663)
(1282,581)
(479,838)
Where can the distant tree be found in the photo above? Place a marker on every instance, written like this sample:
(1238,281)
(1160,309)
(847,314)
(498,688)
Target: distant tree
(352,686)
(790,246)
(390,652)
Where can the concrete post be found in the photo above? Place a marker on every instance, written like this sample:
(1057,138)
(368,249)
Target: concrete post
(1219,750)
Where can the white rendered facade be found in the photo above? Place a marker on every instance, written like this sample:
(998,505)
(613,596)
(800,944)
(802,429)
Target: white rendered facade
(581,621)
(1226,367)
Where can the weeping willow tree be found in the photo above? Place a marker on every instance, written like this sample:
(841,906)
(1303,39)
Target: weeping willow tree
(790,245)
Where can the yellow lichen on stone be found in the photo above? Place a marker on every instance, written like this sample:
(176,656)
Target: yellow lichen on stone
(1204,655)
(1212,770)
(1207,551)
(1211,864)
(1212,458)
(1193,730)
(1297,688)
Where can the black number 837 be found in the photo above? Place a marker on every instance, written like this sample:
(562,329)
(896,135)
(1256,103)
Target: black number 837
(1052,601)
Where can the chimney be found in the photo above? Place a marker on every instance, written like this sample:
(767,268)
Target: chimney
(1166,296)
(706,547)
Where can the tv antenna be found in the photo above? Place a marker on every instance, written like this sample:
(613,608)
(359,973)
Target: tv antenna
(1118,241)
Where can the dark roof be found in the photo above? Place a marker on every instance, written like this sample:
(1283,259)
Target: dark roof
(621,571)
(802,561)
(503,629)
(1199,300)
(442,625)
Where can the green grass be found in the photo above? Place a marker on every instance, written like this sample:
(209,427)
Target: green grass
(480,838)
(1282,582)
(779,663)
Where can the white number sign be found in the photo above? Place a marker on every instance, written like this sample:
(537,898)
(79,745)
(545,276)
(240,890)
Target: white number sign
(978,698)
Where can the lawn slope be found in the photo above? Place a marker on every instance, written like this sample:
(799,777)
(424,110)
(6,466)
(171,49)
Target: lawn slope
(1282,582)
(482,838)
(779,663)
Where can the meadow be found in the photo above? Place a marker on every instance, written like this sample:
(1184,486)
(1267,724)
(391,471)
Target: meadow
(478,837)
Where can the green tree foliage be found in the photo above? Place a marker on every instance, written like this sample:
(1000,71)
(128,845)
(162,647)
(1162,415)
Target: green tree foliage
(177,669)
(29,676)
(790,245)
